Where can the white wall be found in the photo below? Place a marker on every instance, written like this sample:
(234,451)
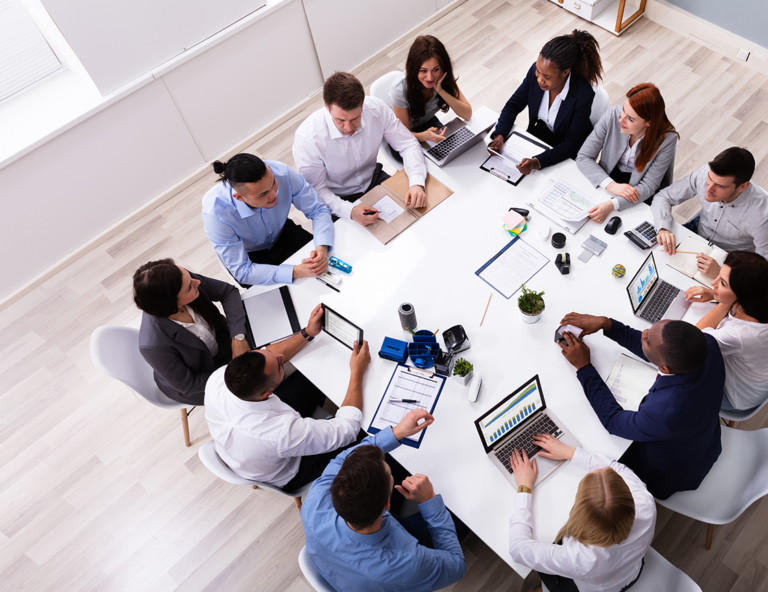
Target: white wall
(88,178)
(118,41)
(347,32)
(244,82)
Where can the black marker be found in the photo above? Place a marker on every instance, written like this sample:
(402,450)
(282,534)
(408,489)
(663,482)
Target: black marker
(329,285)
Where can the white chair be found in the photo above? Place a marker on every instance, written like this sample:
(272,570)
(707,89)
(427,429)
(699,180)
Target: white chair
(115,353)
(659,575)
(218,467)
(738,478)
(310,572)
(380,89)
(735,416)
(599,104)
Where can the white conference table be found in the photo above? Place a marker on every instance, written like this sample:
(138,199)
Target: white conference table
(432,265)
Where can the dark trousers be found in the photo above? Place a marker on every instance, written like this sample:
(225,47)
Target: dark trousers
(561,584)
(303,397)
(434,122)
(620,176)
(292,238)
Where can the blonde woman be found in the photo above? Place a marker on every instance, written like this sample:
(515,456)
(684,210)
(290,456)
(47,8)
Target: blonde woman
(601,547)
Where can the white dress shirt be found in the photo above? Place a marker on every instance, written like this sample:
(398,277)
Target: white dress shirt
(744,346)
(626,164)
(199,328)
(265,440)
(593,569)
(549,114)
(337,164)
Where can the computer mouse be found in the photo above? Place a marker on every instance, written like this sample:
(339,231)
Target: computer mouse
(613,225)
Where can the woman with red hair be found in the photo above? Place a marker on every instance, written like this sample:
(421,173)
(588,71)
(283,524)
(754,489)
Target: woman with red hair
(636,143)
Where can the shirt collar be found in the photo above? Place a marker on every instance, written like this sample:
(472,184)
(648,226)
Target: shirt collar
(566,87)
(334,132)
(243,208)
(368,539)
(271,403)
(739,201)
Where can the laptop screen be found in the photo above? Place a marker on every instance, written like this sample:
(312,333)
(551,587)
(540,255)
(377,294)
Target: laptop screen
(510,412)
(641,284)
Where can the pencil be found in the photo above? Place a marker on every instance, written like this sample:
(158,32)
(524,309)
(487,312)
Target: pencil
(435,333)
(687,252)
(486,309)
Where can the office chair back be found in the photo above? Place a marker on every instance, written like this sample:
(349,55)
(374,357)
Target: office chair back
(599,105)
(310,572)
(381,87)
(659,575)
(115,353)
(735,416)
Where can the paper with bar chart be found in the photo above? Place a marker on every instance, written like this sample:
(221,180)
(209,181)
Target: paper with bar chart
(566,202)
(511,413)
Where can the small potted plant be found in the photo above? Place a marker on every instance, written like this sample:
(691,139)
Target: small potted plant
(463,371)
(531,304)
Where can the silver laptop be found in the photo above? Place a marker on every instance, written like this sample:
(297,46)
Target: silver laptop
(652,298)
(512,424)
(459,138)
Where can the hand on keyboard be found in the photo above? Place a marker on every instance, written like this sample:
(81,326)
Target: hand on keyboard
(551,447)
(525,470)
(434,134)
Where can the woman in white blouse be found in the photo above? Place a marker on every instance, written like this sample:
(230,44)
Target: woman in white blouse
(183,336)
(636,143)
(739,322)
(426,87)
(609,530)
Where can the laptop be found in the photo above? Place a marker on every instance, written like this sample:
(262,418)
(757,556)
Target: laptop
(652,298)
(643,235)
(512,423)
(459,138)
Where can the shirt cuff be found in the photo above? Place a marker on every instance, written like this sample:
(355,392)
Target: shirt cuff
(284,274)
(350,413)
(432,508)
(345,209)
(523,501)
(581,458)
(387,442)
(605,182)
(615,202)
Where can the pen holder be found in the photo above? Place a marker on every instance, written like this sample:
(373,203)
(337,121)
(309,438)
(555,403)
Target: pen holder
(423,354)
(424,336)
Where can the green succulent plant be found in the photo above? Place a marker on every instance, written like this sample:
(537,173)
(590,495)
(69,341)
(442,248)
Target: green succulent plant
(530,302)
(462,367)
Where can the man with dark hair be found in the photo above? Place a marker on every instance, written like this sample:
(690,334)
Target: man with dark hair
(734,212)
(245,216)
(336,147)
(262,425)
(353,540)
(676,429)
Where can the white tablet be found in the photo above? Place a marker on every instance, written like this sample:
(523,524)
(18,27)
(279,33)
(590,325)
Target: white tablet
(340,328)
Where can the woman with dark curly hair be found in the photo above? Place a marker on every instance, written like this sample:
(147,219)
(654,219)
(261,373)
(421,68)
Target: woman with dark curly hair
(558,91)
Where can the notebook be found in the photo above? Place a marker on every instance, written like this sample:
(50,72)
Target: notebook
(389,198)
(685,263)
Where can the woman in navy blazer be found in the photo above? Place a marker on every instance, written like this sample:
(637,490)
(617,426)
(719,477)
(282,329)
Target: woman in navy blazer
(558,91)
(183,336)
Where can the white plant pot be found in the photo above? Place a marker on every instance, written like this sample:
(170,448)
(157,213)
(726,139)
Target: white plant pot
(529,318)
(463,380)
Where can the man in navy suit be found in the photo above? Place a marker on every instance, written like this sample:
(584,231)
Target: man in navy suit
(676,430)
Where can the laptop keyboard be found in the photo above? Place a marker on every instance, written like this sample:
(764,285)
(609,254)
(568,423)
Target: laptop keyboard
(659,303)
(524,440)
(647,231)
(445,147)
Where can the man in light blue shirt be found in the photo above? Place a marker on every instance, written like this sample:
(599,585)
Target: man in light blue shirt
(353,540)
(246,218)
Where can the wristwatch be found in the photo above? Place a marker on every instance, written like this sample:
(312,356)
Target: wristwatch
(239,337)
(524,489)
(306,335)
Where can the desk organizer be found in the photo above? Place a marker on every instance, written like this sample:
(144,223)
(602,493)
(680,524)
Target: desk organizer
(424,349)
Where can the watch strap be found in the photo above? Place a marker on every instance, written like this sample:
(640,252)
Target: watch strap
(524,489)
(306,335)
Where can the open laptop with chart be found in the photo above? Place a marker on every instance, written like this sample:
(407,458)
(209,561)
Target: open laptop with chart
(652,298)
(459,137)
(512,423)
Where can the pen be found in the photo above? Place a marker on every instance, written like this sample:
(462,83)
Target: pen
(329,285)
(403,401)
(492,151)
(369,213)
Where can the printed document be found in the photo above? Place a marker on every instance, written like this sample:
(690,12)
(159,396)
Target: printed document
(388,209)
(513,268)
(629,381)
(566,202)
(516,148)
(409,384)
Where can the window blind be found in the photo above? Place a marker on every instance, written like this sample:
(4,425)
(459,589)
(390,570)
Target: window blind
(25,56)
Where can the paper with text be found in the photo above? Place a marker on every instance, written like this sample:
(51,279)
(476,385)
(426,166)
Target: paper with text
(630,381)
(411,384)
(388,209)
(566,202)
(513,268)
(687,263)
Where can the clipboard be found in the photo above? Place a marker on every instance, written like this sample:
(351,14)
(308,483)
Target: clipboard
(533,262)
(502,175)
(273,316)
(421,375)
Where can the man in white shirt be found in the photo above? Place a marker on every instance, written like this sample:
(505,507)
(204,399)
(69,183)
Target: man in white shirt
(336,149)
(262,426)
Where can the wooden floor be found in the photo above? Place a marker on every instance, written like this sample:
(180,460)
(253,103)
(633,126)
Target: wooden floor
(97,491)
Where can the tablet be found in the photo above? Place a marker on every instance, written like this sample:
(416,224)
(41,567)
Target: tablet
(340,328)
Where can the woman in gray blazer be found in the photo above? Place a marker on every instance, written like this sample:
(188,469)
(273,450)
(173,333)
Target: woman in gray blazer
(183,335)
(636,143)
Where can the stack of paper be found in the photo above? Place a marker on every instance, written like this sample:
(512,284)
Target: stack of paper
(514,223)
